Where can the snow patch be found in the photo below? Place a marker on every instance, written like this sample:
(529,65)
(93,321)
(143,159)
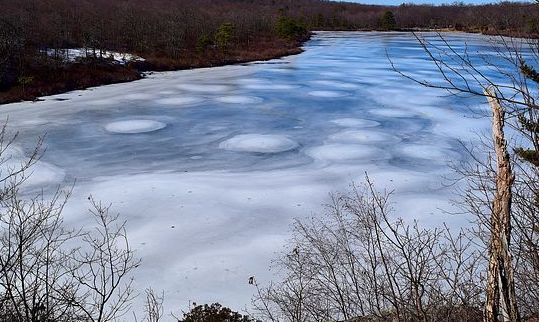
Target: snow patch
(72,54)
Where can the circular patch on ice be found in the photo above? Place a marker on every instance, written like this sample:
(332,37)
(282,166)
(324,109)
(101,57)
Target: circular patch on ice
(180,100)
(429,152)
(328,94)
(353,122)
(388,112)
(269,87)
(346,152)
(252,80)
(259,143)
(239,99)
(139,96)
(363,136)
(336,84)
(102,102)
(204,87)
(134,126)
(279,70)
(44,173)
(35,122)
(334,74)
(39,174)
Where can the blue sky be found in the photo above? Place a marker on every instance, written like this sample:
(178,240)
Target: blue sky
(397,2)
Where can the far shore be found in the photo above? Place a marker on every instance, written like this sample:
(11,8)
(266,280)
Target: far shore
(83,75)
(86,74)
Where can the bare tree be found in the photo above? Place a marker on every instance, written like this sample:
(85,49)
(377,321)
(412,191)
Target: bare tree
(358,262)
(49,272)
(502,178)
(153,305)
(103,266)
(501,299)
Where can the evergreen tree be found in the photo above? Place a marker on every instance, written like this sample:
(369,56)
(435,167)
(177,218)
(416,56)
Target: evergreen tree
(388,22)
(224,35)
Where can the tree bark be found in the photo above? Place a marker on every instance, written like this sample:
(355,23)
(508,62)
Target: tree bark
(501,300)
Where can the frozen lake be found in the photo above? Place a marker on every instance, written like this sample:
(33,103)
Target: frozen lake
(210,166)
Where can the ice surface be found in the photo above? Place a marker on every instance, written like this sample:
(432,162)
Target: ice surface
(392,112)
(337,84)
(134,126)
(327,94)
(42,174)
(270,87)
(204,87)
(139,96)
(238,99)
(259,143)
(429,152)
(353,122)
(347,152)
(364,137)
(180,100)
(231,180)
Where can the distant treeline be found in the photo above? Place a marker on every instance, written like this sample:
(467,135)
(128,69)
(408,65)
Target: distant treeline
(174,34)
(169,26)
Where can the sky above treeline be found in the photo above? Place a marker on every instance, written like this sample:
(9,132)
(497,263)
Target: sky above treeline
(434,2)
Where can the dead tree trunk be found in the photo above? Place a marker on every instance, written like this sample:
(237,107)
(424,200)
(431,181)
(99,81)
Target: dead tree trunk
(501,301)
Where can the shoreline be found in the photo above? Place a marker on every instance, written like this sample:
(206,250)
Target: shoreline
(110,73)
(106,73)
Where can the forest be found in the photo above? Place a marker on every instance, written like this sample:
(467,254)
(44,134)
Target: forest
(184,34)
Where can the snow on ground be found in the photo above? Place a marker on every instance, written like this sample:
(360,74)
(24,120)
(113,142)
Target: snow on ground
(72,54)
(210,190)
